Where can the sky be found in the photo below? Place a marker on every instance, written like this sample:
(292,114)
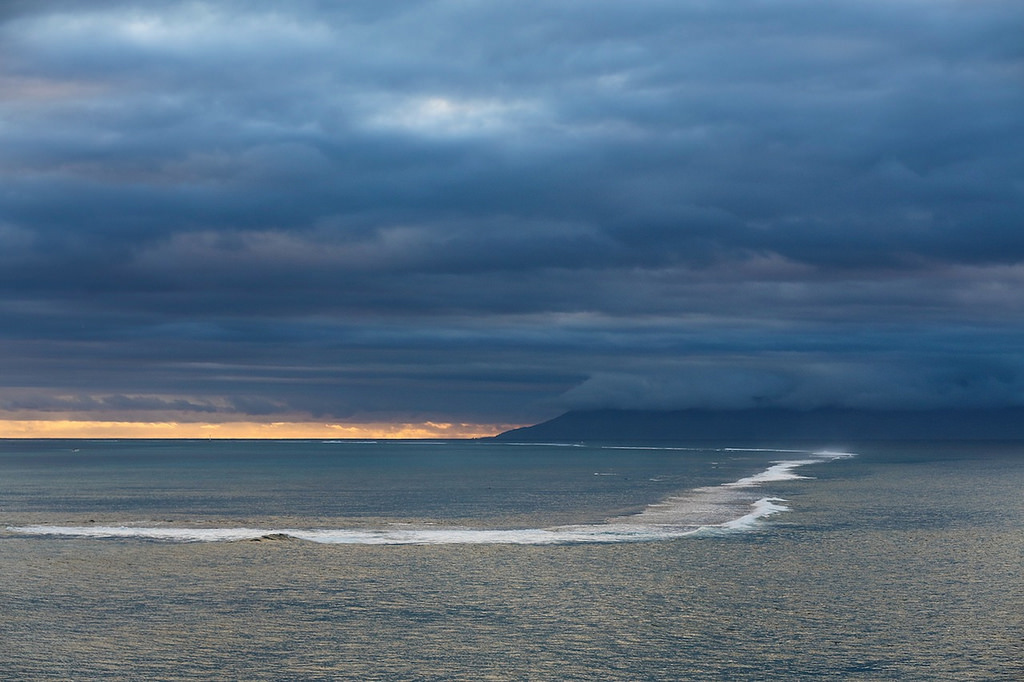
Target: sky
(452,217)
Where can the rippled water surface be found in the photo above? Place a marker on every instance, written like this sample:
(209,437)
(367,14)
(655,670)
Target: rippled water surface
(903,562)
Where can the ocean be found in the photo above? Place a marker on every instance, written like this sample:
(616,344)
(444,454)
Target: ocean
(470,560)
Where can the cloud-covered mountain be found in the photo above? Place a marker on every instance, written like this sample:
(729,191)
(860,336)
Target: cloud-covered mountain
(775,425)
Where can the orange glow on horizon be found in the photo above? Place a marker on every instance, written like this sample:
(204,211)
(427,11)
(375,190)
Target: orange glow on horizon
(65,428)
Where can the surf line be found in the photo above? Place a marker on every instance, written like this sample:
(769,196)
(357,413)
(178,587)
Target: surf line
(714,510)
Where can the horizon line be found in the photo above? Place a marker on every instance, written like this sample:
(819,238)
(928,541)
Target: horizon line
(27,429)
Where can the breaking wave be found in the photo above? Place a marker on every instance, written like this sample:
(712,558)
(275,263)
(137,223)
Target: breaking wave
(723,509)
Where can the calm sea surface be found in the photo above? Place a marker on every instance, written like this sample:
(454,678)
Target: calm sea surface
(482,560)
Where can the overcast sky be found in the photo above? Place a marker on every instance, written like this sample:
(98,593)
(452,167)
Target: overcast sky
(491,212)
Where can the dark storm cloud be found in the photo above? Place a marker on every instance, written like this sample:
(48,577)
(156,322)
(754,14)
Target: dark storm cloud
(472,209)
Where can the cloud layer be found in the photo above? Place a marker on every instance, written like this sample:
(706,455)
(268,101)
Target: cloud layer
(493,211)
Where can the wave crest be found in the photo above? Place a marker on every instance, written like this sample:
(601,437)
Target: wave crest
(714,510)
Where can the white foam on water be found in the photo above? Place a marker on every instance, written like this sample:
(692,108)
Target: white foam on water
(468,536)
(650,447)
(779,471)
(177,534)
(709,510)
(760,450)
(834,454)
(349,442)
(547,445)
(764,507)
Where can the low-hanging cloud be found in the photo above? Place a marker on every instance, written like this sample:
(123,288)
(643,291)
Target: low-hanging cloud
(807,383)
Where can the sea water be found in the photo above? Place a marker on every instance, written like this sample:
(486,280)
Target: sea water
(394,492)
(480,559)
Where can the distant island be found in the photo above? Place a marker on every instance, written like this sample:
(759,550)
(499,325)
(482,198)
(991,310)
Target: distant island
(777,424)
